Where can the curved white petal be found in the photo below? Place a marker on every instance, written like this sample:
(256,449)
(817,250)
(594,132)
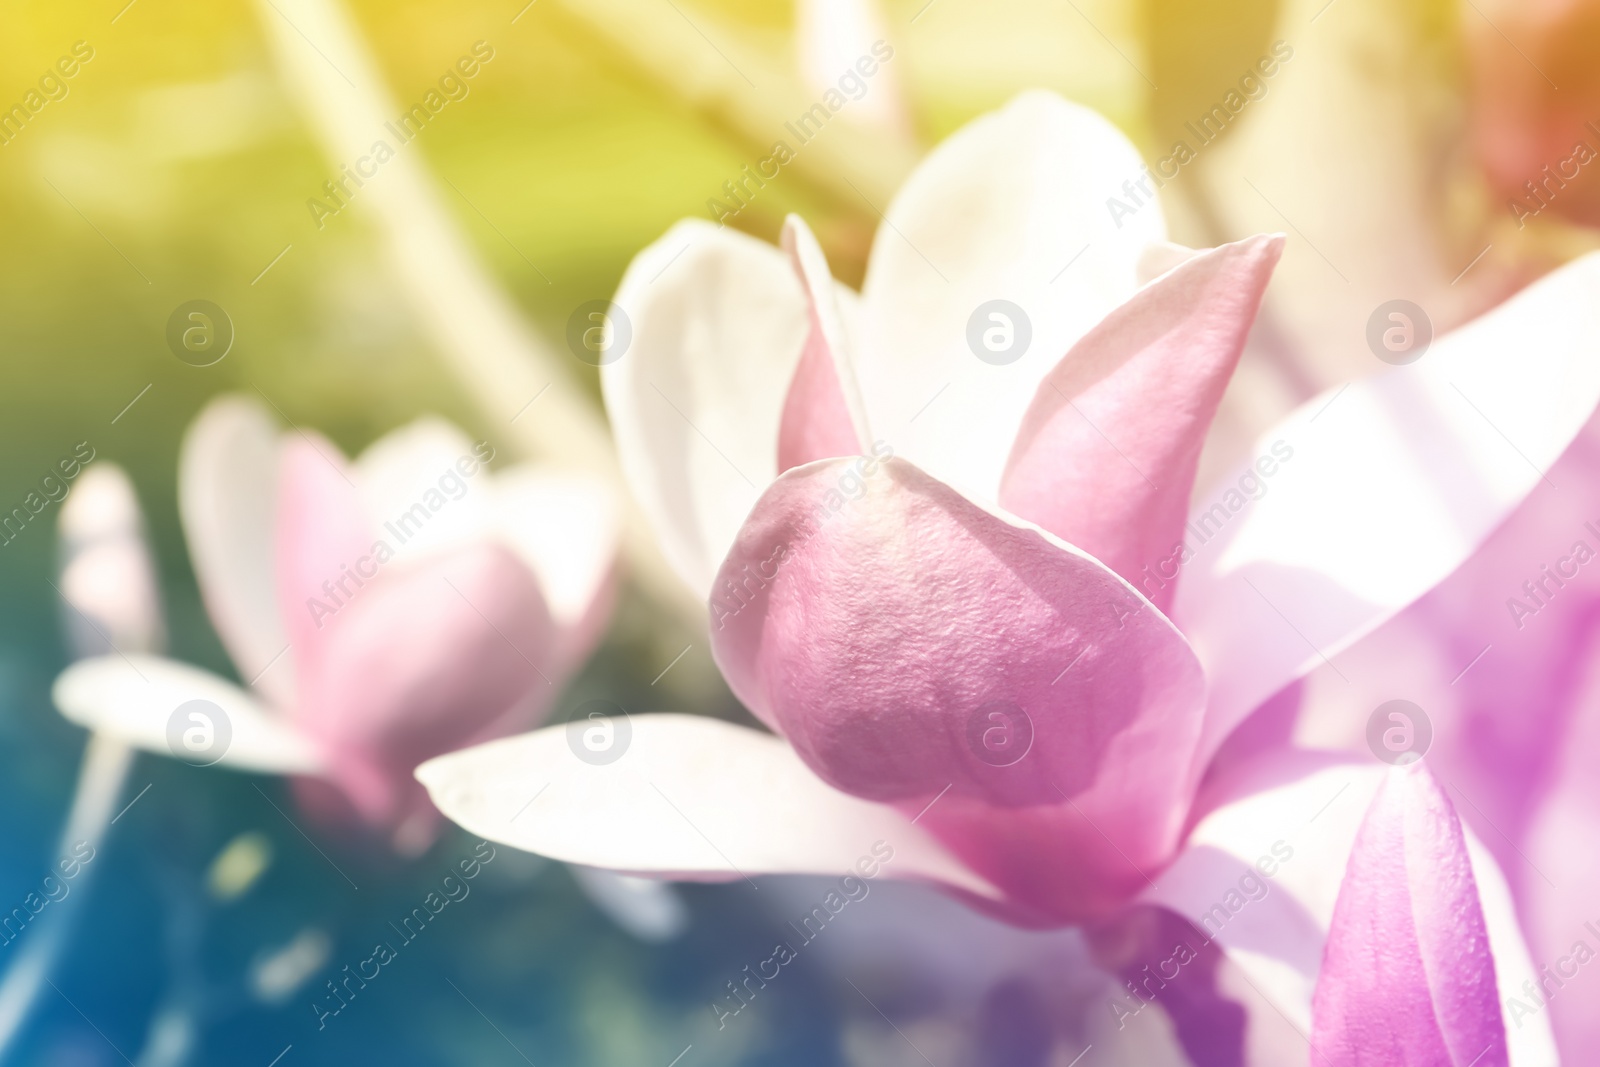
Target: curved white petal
(1380,489)
(417,491)
(718,322)
(1014,206)
(568,529)
(690,797)
(227,498)
(648,909)
(133,698)
(1308,807)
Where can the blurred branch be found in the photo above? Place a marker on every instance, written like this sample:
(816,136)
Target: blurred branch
(502,364)
(748,92)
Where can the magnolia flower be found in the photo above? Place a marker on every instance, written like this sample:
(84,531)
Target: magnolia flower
(945,535)
(384,610)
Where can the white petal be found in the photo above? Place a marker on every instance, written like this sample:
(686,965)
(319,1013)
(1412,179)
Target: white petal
(1310,806)
(108,576)
(998,211)
(1392,482)
(690,797)
(648,909)
(228,500)
(718,323)
(567,528)
(133,698)
(415,494)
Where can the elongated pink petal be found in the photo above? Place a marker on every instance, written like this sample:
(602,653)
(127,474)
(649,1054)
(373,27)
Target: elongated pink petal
(1107,452)
(913,646)
(822,413)
(1407,974)
(1260,875)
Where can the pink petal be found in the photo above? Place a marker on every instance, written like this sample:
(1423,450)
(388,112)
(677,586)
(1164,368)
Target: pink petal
(818,420)
(423,661)
(321,534)
(1107,452)
(1407,973)
(877,619)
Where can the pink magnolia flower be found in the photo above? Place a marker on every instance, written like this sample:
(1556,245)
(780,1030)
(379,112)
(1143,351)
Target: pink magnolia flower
(385,610)
(946,537)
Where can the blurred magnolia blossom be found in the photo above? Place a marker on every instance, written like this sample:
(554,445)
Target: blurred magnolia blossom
(385,610)
(959,641)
